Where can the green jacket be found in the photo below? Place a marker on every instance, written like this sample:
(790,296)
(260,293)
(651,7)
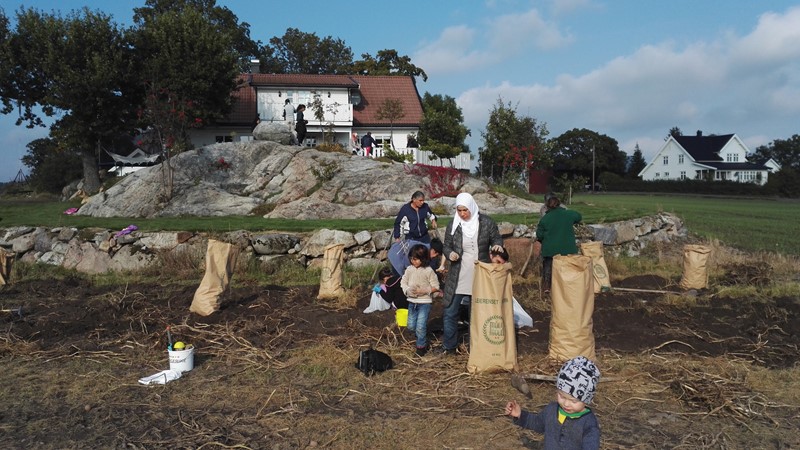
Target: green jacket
(556,234)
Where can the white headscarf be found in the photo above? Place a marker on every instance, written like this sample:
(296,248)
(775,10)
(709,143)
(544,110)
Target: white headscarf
(470,227)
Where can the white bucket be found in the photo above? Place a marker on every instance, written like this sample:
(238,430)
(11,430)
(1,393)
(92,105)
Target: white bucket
(181,360)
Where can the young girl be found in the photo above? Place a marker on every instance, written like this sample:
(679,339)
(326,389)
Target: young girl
(419,283)
(566,423)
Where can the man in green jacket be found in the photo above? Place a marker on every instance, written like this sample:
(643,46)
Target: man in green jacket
(555,236)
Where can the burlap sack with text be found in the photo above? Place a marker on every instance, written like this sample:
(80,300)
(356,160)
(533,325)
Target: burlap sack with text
(220,261)
(594,250)
(492,342)
(332,276)
(571,332)
(695,273)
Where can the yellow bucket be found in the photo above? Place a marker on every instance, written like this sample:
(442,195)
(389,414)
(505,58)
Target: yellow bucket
(401,316)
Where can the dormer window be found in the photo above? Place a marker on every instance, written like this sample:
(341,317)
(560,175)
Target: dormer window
(680,159)
(666,160)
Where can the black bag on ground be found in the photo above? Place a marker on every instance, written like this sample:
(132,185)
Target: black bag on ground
(371,361)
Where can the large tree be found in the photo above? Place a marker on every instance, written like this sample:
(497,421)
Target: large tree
(390,109)
(387,62)
(785,152)
(77,66)
(220,17)
(442,130)
(306,53)
(188,64)
(509,136)
(578,151)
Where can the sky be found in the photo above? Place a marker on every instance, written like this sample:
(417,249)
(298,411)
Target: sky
(628,69)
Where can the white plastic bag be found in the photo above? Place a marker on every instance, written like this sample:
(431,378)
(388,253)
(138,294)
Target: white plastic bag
(377,303)
(521,318)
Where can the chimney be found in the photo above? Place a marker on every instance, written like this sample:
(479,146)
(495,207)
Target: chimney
(699,133)
(255,66)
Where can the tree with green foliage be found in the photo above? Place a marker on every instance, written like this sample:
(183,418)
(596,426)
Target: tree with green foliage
(220,16)
(636,163)
(785,152)
(674,132)
(506,131)
(187,59)
(306,53)
(390,109)
(387,62)
(79,67)
(52,166)
(578,151)
(442,131)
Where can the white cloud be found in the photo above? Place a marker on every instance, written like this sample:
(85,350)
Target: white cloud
(503,38)
(747,85)
(568,6)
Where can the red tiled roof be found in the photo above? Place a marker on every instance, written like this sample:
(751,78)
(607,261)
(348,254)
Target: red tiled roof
(374,91)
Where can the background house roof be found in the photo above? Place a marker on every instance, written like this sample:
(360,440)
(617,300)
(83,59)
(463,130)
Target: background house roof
(704,148)
(374,91)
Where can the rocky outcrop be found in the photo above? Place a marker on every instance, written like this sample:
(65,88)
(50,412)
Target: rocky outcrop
(290,181)
(98,251)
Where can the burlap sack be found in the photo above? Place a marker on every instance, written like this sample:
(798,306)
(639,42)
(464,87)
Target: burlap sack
(220,262)
(571,332)
(6,261)
(492,342)
(594,250)
(330,280)
(695,274)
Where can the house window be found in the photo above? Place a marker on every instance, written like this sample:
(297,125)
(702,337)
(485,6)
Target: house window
(221,139)
(657,174)
(683,174)
(666,160)
(666,174)
(732,157)
(680,159)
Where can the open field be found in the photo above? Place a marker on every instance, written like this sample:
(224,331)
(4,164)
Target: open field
(274,368)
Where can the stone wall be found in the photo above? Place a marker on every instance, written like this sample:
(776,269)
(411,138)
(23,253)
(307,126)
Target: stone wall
(94,251)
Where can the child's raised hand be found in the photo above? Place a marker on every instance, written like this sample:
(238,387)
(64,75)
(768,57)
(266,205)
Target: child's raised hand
(513,409)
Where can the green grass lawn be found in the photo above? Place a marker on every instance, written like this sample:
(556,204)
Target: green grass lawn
(749,224)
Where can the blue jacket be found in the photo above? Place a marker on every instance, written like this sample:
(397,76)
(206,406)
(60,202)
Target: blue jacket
(582,433)
(418,230)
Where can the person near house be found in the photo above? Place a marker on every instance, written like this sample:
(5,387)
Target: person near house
(288,112)
(419,283)
(555,236)
(300,126)
(567,422)
(469,237)
(257,121)
(356,143)
(367,143)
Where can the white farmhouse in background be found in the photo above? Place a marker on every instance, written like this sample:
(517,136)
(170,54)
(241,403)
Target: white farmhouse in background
(706,157)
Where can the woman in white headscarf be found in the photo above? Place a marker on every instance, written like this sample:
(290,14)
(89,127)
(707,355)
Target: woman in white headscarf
(469,238)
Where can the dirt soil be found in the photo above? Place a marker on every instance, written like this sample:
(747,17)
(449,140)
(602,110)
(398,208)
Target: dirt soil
(274,369)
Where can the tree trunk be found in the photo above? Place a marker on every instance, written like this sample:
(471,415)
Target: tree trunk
(91,177)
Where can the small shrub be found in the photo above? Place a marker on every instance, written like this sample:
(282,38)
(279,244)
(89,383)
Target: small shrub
(439,181)
(331,147)
(326,170)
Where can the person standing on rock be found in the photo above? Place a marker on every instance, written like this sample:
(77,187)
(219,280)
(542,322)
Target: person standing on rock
(288,112)
(367,143)
(300,126)
(555,236)
(468,238)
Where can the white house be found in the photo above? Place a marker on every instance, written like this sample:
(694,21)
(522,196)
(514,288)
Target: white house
(350,104)
(706,157)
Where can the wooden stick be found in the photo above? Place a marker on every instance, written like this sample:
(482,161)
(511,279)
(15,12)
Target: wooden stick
(651,291)
(525,266)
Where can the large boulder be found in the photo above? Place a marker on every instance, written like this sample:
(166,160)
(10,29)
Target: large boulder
(288,181)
